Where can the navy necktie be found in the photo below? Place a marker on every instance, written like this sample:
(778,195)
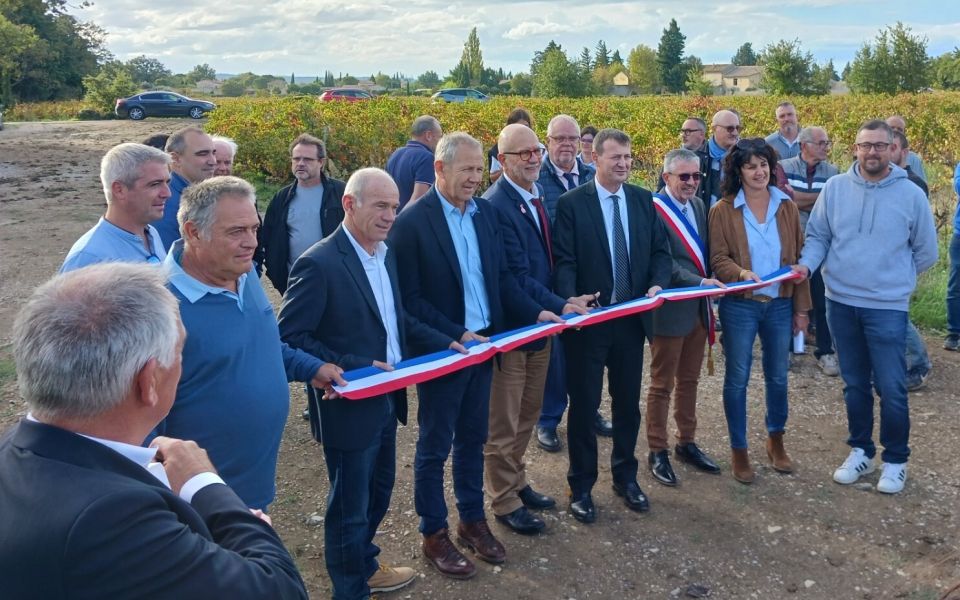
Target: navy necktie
(570,182)
(621,259)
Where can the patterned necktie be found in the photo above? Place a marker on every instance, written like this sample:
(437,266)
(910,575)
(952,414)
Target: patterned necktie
(686,213)
(544,226)
(570,182)
(621,259)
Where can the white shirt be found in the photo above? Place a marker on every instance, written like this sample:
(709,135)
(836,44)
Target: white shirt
(375,267)
(606,206)
(528,199)
(575,171)
(691,217)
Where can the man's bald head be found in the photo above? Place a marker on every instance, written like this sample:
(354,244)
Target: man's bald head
(897,123)
(519,153)
(726,128)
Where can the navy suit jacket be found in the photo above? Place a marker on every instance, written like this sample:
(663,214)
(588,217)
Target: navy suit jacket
(329,310)
(525,248)
(79,520)
(430,276)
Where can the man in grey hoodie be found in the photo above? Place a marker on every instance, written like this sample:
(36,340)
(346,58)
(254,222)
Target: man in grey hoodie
(872,231)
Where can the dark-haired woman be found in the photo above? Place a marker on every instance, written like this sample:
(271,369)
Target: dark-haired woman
(755,230)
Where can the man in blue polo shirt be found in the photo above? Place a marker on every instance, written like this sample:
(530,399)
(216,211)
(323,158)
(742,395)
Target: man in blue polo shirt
(411,166)
(785,140)
(194,159)
(136,183)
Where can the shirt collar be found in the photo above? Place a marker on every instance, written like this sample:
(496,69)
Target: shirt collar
(787,142)
(138,454)
(379,254)
(524,194)
(449,208)
(192,288)
(603,193)
(673,198)
(575,170)
(776,196)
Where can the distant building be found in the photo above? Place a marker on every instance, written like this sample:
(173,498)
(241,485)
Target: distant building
(210,87)
(277,86)
(730,79)
(621,85)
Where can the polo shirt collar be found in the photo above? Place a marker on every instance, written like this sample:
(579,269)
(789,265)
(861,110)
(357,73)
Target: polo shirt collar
(192,288)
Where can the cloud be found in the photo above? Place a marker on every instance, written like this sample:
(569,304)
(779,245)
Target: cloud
(532,28)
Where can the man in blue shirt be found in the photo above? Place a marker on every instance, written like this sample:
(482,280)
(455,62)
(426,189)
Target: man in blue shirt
(785,140)
(136,184)
(194,159)
(411,166)
(233,396)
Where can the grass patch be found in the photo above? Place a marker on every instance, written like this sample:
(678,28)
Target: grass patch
(928,308)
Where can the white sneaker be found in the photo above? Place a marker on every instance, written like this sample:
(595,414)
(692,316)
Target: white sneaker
(856,465)
(828,364)
(892,478)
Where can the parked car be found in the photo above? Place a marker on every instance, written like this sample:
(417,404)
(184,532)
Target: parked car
(161,104)
(345,95)
(459,95)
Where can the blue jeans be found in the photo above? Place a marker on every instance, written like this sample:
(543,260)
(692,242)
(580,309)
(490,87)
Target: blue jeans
(916,354)
(953,286)
(453,413)
(870,346)
(743,320)
(555,390)
(361,483)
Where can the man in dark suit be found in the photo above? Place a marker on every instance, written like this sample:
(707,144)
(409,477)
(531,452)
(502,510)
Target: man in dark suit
(87,511)
(454,277)
(608,238)
(680,328)
(343,305)
(519,375)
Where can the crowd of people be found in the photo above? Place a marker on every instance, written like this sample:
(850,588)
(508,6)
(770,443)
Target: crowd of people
(158,330)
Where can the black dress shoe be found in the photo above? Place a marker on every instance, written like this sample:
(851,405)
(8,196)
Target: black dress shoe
(306,414)
(534,499)
(632,495)
(694,456)
(522,521)
(582,509)
(602,426)
(548,440)
(661,468)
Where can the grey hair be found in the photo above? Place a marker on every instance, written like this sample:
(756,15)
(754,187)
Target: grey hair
(228,141)
(603,135)
(199,200)
(806,134)
(679,155)
(562,118)
(361,178)
(123,162)
(423,125)
(699,121)
(450,143)
(177,142)
(82,338)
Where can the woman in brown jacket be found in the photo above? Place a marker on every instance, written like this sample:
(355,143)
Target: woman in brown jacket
(755,229)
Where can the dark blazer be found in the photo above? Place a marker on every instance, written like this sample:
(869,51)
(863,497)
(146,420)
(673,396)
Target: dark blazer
(81,521)
(582,252)
(554,187)
(430,276)
(330,311)
(525,247)
(274,238)
(678,318)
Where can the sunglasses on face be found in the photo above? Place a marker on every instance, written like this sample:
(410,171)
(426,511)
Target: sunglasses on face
(731,128)
(690,131)
(685,177)
(751,144)
(526,154)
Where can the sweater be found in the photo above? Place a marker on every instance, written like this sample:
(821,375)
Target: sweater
(872,238)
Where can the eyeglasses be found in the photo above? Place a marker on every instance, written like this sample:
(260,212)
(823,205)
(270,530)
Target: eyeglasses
(730,128)
(526,154)
(821,144)
(565,139)
(685,177)
(751,144)
(868,147)
(689,131)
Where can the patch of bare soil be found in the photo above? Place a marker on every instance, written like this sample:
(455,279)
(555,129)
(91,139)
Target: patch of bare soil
(794,536)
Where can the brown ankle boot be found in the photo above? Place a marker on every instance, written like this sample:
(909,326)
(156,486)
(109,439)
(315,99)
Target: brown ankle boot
(742,471)
(776,453)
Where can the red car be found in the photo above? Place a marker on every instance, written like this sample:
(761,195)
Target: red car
(345,94)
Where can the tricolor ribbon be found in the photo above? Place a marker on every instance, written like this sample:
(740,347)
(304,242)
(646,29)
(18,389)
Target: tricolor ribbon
(373,381)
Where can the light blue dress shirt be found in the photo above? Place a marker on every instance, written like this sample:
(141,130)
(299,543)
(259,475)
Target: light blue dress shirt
(475,302)
(606,207)
(375,267)
(193,289)
(105,242)
(763,239)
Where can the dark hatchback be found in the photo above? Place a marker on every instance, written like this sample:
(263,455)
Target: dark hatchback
(161,104)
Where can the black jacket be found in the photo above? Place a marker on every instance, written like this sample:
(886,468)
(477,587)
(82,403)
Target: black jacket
(274,236)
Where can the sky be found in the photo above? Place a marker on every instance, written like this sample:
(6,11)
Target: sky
(362,37)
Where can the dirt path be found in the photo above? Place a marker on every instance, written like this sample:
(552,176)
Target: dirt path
(786,536)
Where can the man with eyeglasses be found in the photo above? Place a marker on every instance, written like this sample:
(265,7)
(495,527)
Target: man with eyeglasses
(302,213)
(516,393)
(807,174)
(726,132)
(785,140)
(136,183)
(872,231)
(693,137)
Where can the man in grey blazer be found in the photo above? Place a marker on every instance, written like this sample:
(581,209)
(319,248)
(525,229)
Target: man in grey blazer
(680,328)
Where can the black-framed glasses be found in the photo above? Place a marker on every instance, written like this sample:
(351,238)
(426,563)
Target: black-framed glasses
(751,144)
(685,177)
(689,131)
(869,147)
(730,128)
(526,154)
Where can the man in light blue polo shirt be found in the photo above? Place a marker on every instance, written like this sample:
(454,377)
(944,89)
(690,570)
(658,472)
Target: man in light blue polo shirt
(785,140)
(136,183)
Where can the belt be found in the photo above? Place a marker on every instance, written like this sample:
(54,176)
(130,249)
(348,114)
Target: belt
(761,298)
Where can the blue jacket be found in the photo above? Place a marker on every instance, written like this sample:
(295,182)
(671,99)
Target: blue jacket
(554,187)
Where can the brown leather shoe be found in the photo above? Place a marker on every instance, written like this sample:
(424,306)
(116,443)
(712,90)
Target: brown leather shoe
(742,471)
(478,538)
(777,454)
(445,556)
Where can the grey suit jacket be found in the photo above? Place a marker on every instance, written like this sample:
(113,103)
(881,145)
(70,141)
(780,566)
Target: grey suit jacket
(677,318)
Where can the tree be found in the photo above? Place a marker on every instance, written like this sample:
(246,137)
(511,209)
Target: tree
(233,88)
(554,75)
(293,79)
(745,55)
(601,57)
(788,71)
(521,85)
(946,70)
(146,71)
(16,41)
(897,61)
(112,82)
(429,79)
(697,84)
(846,72)
(200,72)
(616,58)
(586,63)
(643,69)
(833,71)
(328,80)
(469,71)
(673,75)
(349,79)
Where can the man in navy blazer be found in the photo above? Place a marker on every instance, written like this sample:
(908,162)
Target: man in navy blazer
(454,277)
(87,511)
(343,305)
(519,375)
(608,238)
